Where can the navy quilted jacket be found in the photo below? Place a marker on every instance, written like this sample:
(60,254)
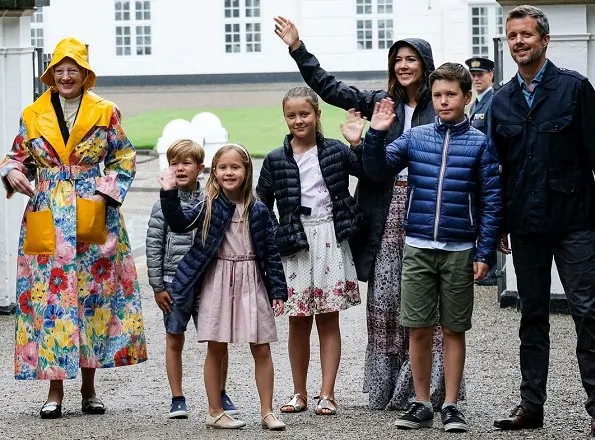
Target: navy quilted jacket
(280,180)
(188,278)
(454,192)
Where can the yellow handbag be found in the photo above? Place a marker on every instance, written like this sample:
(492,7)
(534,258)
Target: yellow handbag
(90,221)
(40,236)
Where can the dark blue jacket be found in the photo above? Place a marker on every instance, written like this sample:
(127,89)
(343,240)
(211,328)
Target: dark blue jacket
(547,153)
(373,197)
(453,186)
(188,279)
(280,180)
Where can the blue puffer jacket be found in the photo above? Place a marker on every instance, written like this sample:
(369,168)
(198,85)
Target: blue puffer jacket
(454,192)
(194,265)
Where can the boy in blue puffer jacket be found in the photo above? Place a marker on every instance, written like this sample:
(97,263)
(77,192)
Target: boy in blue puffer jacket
(452,224)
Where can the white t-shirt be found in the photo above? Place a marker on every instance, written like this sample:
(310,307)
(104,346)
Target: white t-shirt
(408,118)
(315,194)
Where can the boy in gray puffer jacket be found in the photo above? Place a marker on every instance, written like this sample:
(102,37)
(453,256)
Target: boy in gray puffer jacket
(164,250)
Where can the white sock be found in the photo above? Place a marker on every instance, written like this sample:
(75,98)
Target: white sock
(426,404)
(445,404)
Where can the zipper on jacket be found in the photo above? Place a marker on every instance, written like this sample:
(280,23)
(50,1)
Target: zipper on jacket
(410,201)
(441,183)
(471,211)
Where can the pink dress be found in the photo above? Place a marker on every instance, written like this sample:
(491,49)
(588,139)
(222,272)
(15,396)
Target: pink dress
(234,305)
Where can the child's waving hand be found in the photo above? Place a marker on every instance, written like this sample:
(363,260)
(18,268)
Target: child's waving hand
(384,115)
(353,127)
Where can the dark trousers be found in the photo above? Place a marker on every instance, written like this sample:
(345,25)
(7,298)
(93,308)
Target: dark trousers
(574,253)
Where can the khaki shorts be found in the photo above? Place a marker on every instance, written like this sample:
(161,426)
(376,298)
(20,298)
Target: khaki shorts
(435,281)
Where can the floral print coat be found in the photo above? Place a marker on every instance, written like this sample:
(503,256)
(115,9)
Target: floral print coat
(79,306)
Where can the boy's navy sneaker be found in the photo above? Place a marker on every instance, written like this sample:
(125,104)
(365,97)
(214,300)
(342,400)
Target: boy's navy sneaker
(453,419)
(228,405)
(178,409)
(417,416)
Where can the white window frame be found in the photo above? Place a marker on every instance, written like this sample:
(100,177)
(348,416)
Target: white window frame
(37,28)
(133,31)
(242,25)
(374,24)
(492,26)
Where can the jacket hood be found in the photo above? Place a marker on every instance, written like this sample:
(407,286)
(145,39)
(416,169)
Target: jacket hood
(421,46)
(76,51)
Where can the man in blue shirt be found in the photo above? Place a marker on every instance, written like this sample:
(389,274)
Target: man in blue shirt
(541,124)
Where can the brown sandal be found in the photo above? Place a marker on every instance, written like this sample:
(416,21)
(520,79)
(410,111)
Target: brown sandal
(295,405)
(324,409)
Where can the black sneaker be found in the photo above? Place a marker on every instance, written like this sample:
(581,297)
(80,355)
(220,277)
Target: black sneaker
(417,416)
(453,419)
(178,409)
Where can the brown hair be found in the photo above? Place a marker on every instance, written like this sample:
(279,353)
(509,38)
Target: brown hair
(395,89)
(213,190)
(184,148)
(522,11)
(310,96)
(453,72)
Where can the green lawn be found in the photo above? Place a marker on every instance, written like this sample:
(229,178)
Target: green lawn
(259,129)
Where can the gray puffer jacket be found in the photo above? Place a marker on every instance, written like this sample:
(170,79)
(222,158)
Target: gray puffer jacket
(165,249)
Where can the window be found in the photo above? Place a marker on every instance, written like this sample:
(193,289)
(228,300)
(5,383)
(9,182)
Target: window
(143,10)
(374,24)
(122,11)
(385,34)
(232,38)
(232,8)
(487,22)
(252,8)
(123,41)
(133,28)
(385,7)
(363,7)
(364,34)
(242,23)
(143,40)
(37,28)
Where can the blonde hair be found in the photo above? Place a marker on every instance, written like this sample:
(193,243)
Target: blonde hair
(184,148)
(213,190)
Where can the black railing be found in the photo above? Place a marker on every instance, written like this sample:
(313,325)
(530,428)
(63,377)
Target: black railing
(40,62)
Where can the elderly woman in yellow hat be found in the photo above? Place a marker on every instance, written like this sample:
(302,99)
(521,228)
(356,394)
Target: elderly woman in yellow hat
(78,296)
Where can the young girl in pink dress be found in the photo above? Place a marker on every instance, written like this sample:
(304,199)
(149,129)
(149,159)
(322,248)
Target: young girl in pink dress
(232,275)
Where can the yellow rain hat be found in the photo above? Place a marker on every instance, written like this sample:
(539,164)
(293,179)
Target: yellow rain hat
(70,48)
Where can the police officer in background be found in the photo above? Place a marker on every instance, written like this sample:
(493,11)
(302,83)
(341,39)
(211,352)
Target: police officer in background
(482,71)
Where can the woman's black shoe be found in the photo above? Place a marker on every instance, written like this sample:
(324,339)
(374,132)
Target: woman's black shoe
(51,410)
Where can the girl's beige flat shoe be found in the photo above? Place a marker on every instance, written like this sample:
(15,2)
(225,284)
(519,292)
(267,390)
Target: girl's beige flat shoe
(272,423)
(223,421)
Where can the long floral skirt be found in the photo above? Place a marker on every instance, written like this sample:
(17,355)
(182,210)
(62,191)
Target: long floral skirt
(322,279)
(387,373)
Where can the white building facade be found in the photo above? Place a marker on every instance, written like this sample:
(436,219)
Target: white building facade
(202,41)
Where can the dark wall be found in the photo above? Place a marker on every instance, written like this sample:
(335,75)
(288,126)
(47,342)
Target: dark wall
(232,78)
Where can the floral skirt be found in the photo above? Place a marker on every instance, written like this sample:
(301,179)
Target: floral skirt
(323,279)
(388,378)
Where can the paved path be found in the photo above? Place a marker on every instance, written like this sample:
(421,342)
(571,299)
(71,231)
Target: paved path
(138,397)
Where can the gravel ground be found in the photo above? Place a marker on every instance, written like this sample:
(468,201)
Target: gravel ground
(138,397)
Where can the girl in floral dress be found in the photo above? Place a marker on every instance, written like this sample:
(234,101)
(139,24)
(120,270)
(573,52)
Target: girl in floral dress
(235,269)
(308,177)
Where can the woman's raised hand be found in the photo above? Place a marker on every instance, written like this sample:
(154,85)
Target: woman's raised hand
(286,30)
(19,182)
(167,179)
(384,115)
(353,127)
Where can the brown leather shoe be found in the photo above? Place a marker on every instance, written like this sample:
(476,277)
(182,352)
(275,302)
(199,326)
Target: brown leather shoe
(521,418)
